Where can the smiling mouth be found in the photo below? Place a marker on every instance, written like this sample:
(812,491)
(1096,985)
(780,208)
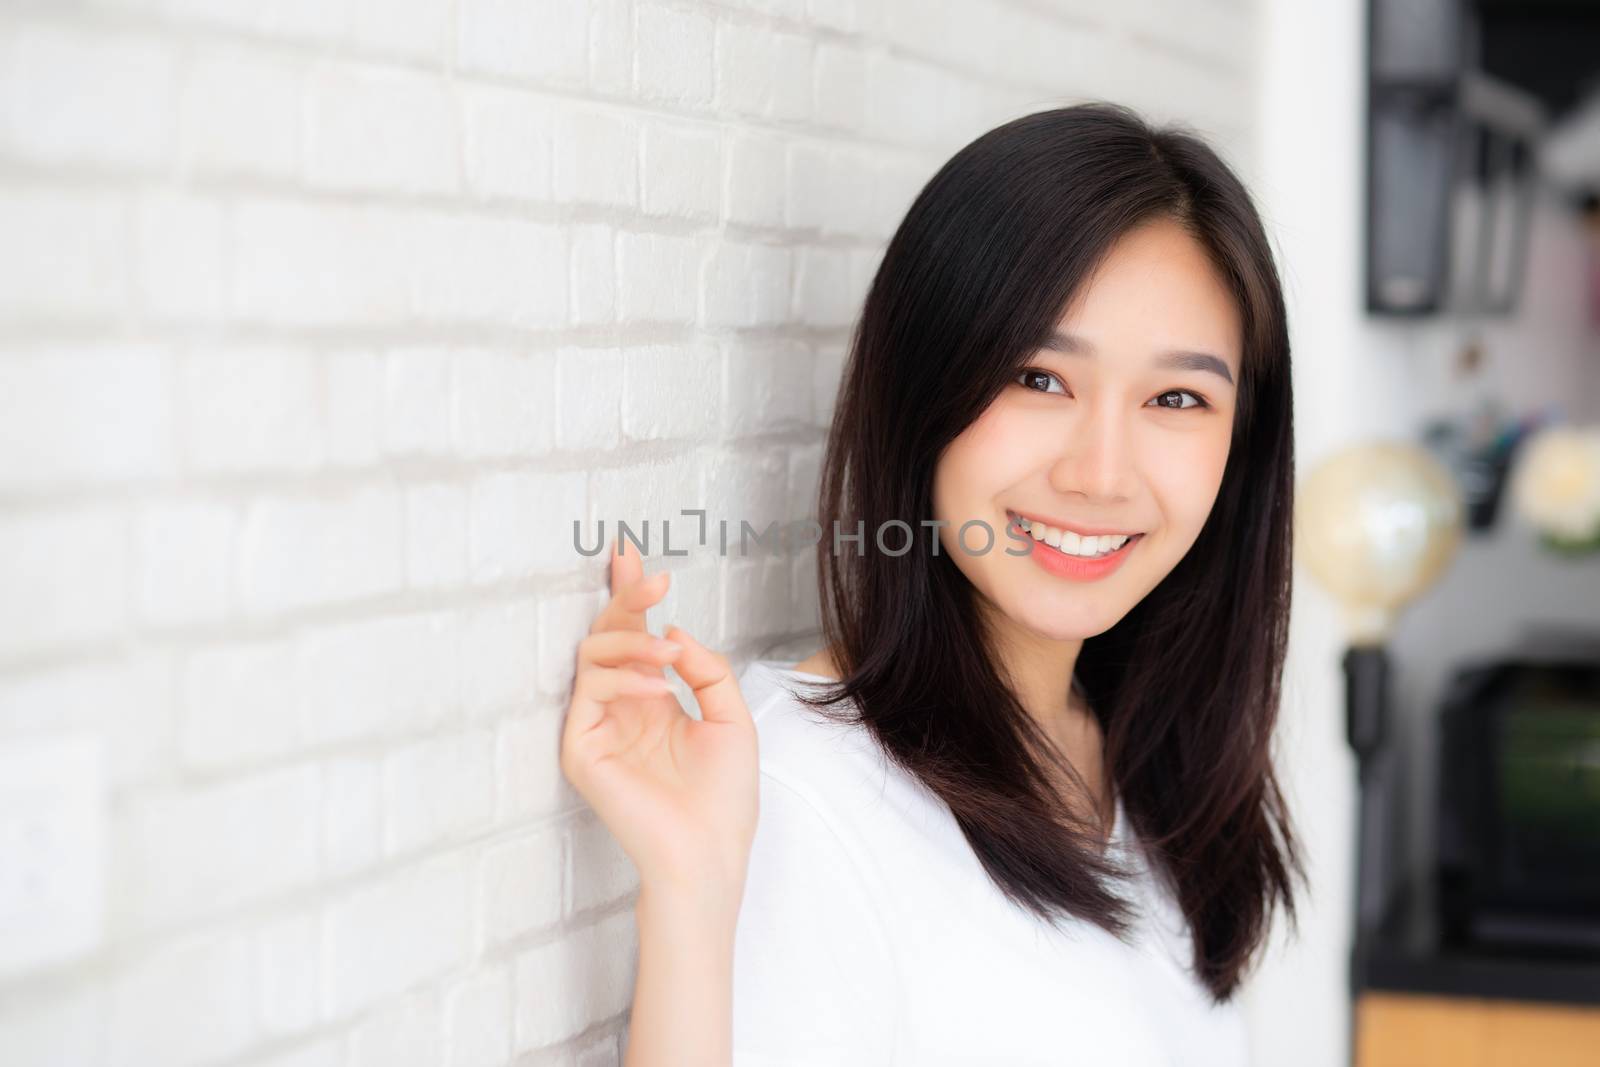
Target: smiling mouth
(1068,543)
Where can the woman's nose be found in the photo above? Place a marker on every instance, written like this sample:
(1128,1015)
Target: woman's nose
(1095,457)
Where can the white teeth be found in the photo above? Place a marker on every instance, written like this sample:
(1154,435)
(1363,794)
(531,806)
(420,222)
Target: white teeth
(1070,543)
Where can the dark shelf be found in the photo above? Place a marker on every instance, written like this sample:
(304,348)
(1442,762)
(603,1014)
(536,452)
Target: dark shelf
(1406,956)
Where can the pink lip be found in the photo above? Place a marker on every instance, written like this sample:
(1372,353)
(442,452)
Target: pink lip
(1076,568)
(1081,531)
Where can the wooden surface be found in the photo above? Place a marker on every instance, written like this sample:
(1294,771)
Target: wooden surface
(1405,1030)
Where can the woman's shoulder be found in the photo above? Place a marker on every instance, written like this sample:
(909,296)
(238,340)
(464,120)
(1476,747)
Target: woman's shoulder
(808,749)
(772,691)
(840,772)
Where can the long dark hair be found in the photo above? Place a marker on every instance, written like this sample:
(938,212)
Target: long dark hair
(1186,685)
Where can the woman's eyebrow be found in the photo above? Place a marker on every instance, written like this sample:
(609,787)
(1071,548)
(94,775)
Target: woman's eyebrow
(1177,358)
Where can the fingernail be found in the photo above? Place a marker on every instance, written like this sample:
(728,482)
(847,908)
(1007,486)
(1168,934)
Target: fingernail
(670,646)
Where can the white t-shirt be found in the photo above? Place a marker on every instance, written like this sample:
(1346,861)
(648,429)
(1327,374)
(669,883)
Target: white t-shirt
(870,934)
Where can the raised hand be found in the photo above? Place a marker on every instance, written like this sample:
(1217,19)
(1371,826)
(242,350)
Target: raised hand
(678,793)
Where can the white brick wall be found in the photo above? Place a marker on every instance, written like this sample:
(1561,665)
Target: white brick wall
(320,321)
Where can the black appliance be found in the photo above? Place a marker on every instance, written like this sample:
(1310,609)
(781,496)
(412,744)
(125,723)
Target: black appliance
(1518,858)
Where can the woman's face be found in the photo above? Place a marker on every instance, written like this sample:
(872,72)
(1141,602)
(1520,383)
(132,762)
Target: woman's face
(1108,430)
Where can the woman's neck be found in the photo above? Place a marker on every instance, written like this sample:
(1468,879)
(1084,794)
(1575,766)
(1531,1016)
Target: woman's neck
(1040,672)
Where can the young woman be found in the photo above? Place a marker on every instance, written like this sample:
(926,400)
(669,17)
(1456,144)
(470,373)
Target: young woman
(1020,807)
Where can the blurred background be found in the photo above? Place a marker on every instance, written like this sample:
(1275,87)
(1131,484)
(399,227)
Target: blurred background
(322,321)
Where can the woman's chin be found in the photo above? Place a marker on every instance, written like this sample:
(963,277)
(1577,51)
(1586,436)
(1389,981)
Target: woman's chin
(1058,622)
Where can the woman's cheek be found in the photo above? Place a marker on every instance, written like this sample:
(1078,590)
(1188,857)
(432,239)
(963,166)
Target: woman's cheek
(1193,485)
(988,457)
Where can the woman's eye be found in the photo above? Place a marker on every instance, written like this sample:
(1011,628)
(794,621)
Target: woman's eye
(1041,381)
(1030,378)
(1199,402)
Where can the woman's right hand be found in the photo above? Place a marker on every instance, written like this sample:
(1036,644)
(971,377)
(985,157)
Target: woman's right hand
(679,794)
